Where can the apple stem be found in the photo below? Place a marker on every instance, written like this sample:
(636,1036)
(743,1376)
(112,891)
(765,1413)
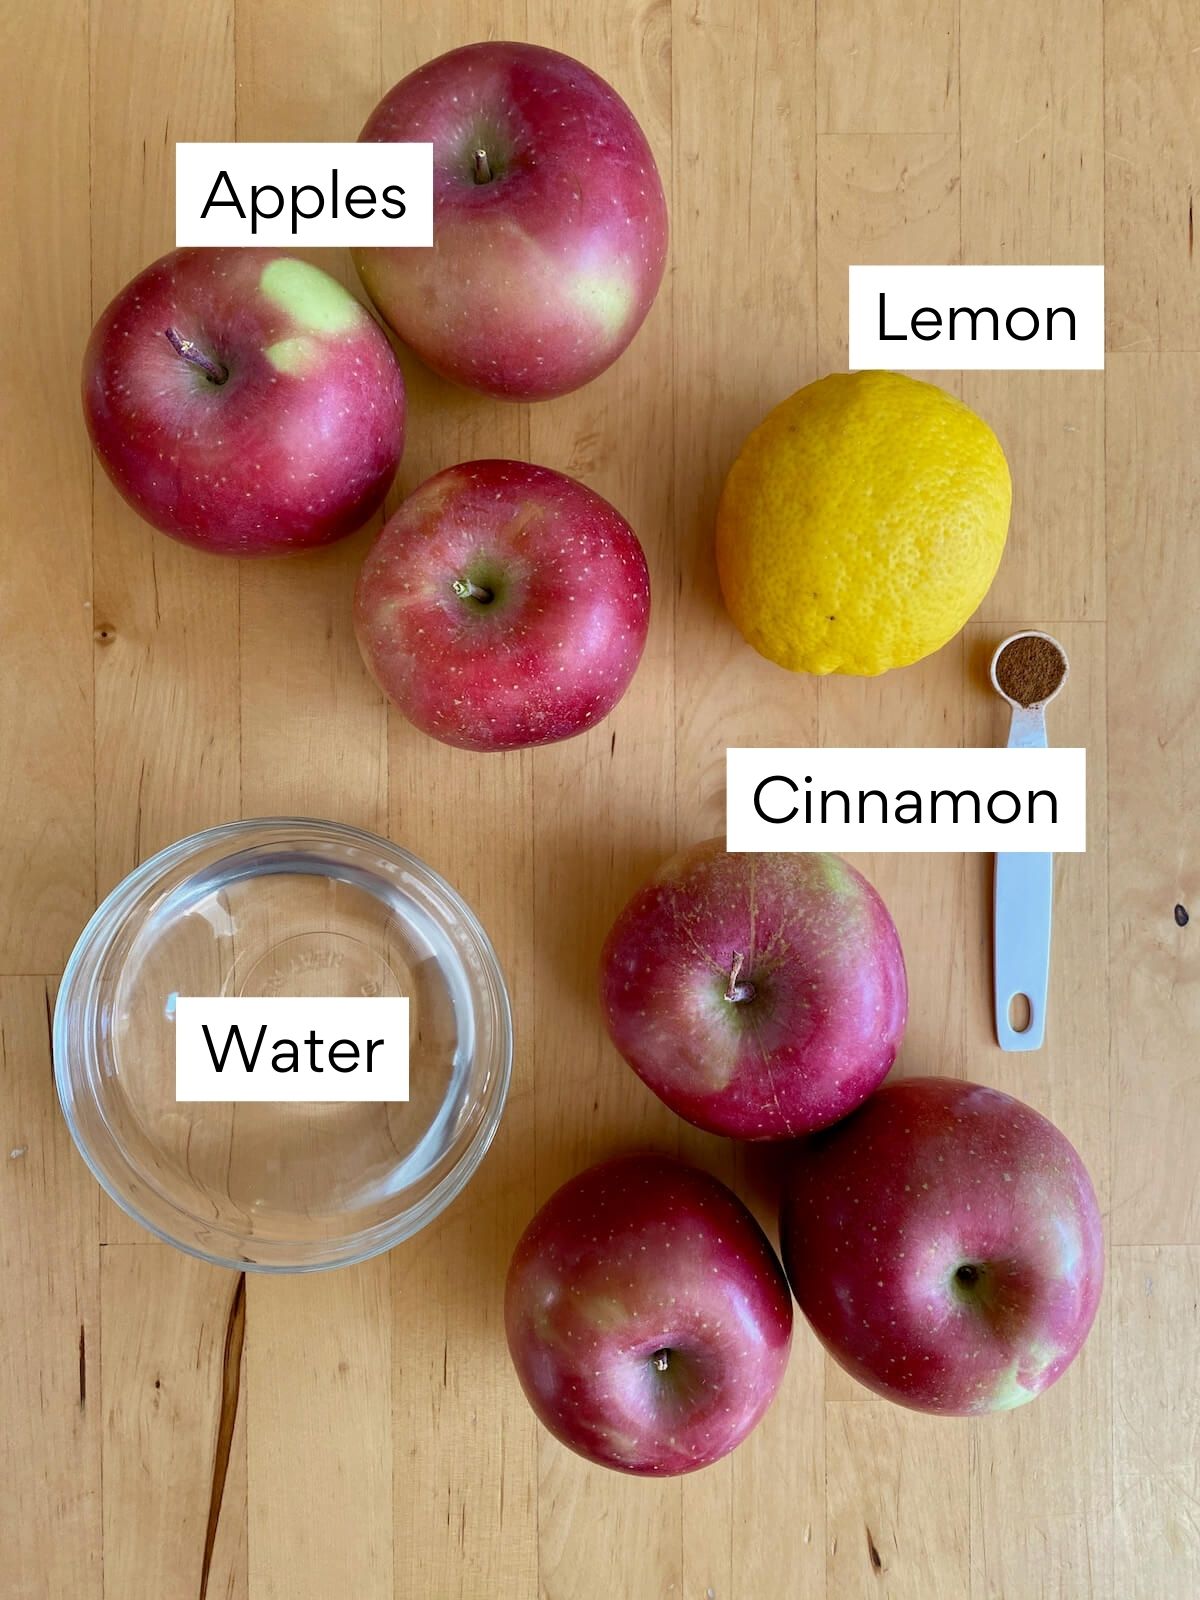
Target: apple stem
(466,590)
(190,351)
(481,169)
(660,1360)
(738,992)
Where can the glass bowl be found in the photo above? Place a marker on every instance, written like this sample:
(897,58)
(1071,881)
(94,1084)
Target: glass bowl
(281,906)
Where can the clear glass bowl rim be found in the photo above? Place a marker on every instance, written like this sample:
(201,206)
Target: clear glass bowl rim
(109,917)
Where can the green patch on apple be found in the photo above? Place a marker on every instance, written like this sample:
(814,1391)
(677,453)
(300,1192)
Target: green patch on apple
(1011,1390)
(608,299)
(837,874)
(606,1312)
(316,302)
(294,356)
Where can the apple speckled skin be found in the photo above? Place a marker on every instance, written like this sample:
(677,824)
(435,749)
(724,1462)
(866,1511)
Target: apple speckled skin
(556,635)
(648,1317)
(295,447)
(822,992)
(946,1246)
(540,275)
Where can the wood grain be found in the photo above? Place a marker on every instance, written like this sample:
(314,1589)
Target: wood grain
(897,1504)
(1032,130)
(1156,1465)
(1154,602)
(1152,150)
(45,478)
(319,1435)
(170,1433)
(50,1446)
(174,1454)
(887,71)
(1033,191)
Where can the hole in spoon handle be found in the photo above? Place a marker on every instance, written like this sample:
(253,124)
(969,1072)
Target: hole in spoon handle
(1020,1013)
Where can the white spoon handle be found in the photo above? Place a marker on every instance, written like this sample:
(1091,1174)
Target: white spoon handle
(1024,894)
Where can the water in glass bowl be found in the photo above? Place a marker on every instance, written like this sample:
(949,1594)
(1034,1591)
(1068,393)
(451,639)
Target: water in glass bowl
(282,916)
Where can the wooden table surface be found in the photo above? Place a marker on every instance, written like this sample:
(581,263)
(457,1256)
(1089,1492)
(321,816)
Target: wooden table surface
(172,1431)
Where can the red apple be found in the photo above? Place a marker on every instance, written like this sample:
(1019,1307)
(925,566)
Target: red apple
(648,1318)
(760,996)
(549,222)
(243,402)
(945,1244)
(503,605)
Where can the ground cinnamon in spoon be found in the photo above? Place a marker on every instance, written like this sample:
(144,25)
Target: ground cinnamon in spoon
(1030,670)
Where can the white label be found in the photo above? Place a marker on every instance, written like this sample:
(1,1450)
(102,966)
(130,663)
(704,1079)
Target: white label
(291,1049)
(906,800)
(315,195)
(1000,319)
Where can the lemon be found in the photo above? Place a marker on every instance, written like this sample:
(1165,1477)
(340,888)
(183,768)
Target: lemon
(862,524)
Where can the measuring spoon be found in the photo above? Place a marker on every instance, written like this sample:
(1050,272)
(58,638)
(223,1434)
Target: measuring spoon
(1024,891)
